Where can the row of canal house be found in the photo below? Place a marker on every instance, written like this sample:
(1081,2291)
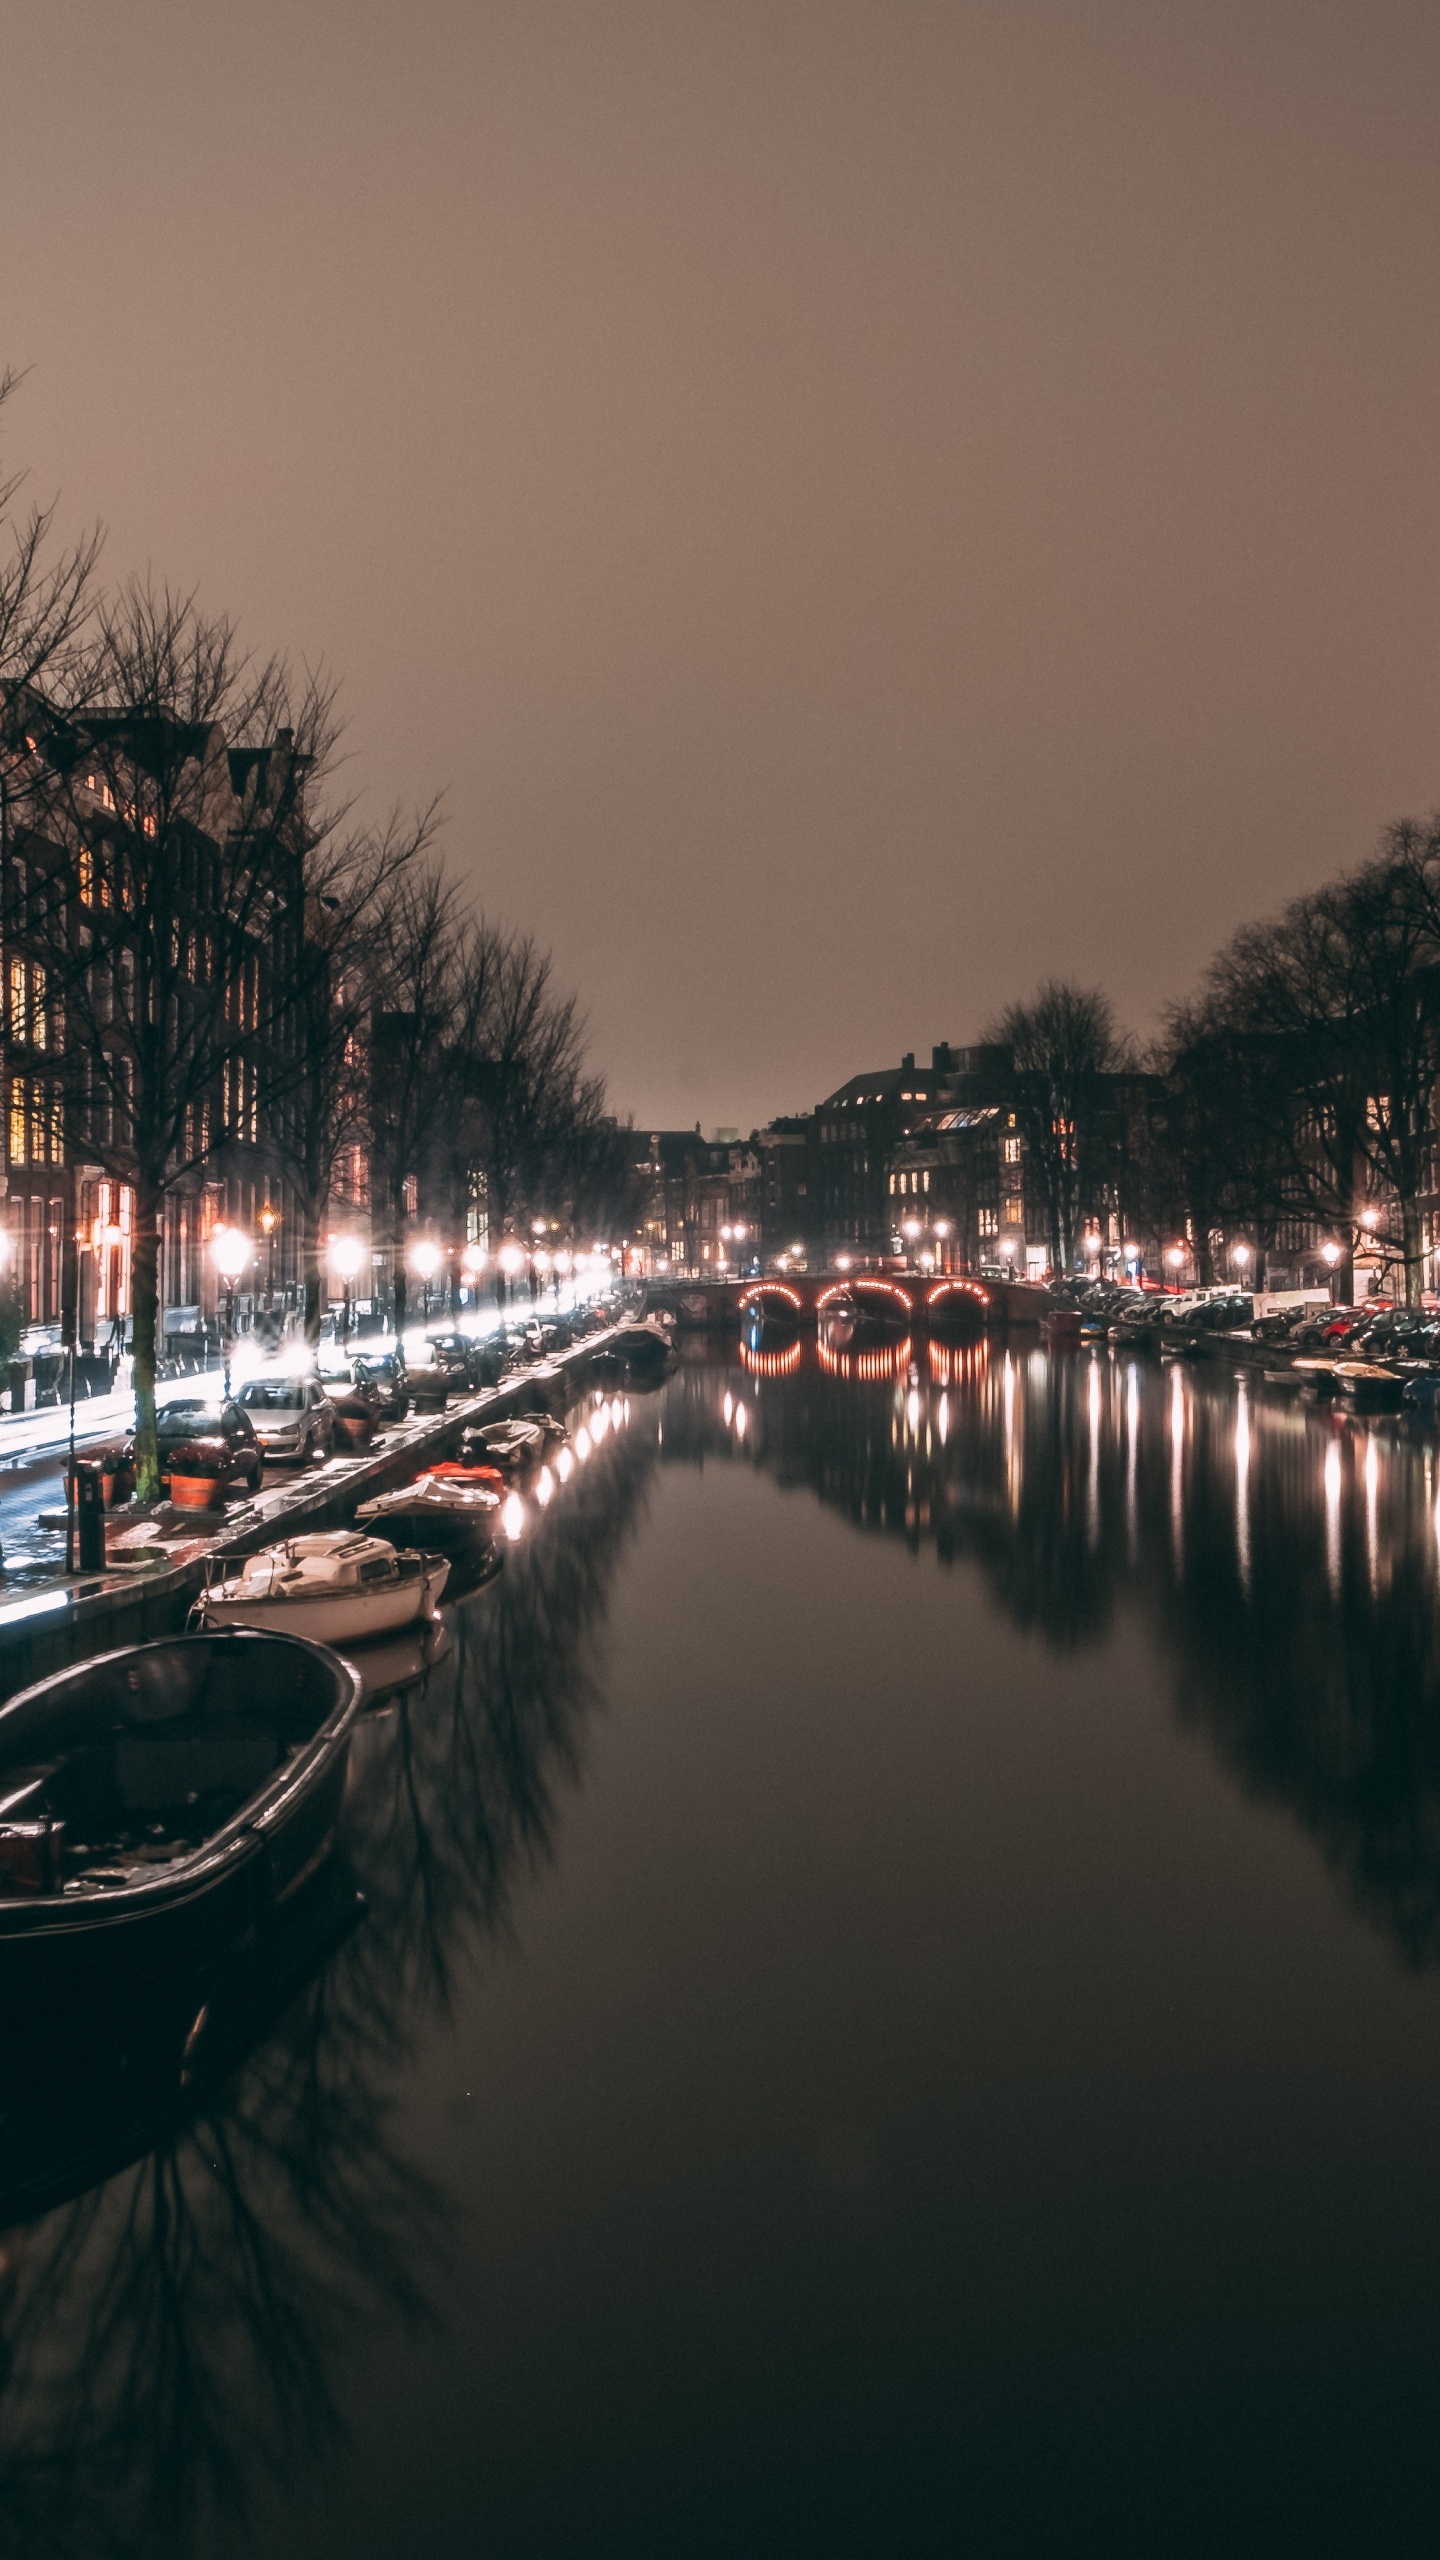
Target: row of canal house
(898,1160)
(68,860)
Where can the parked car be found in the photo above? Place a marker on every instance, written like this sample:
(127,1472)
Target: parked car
(223,1430)
(465,1358)
(291,1417)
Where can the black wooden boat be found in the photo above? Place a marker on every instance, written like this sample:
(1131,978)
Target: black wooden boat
(160,1803)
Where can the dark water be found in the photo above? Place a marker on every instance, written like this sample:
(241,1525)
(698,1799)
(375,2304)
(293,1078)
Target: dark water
(898,2012)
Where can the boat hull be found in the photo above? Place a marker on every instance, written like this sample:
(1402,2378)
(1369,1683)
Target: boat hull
(334,1617)
(196,1907)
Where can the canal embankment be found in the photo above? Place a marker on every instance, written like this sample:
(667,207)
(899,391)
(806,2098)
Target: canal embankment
(48,1620)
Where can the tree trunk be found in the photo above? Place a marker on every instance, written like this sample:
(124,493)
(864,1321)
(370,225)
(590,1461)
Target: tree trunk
(145,1307)
(312,1269)
(398,1284)
(1414,1249)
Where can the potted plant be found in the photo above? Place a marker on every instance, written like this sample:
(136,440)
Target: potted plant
(198,1469)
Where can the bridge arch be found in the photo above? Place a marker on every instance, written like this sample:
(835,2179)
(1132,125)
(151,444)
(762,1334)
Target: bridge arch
(772,1297)
(865,1285)
(974,1290)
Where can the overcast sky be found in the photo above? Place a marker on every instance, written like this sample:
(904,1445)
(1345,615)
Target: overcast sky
(861,504)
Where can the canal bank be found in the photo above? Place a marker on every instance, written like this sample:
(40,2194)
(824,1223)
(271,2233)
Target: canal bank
(51,1620)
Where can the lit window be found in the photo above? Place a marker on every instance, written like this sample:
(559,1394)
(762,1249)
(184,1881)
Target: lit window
(17,1121)
(19,1015)
(927,1181)
(57,1128)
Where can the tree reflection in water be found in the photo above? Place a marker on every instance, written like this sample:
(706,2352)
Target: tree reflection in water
(172,2338)
(1286,1556)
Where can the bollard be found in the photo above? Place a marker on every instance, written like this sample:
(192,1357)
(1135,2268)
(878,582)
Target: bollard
(90,1517)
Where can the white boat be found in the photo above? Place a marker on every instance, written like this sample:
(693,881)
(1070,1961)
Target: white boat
(441,1510)
(336,1586)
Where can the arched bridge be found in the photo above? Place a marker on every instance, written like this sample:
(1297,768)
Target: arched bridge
(913,1298)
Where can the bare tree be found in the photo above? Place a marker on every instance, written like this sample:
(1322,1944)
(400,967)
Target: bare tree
(1341,994)
(164,902)
(1063,1045)
(350,880)
(421,974)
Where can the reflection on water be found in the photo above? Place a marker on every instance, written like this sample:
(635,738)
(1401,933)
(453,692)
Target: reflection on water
(177,2335)
(172,2338)
(1286,1556)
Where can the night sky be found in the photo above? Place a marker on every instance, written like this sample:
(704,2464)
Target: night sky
(860,506)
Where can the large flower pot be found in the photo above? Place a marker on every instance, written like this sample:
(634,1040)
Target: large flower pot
(194,1493)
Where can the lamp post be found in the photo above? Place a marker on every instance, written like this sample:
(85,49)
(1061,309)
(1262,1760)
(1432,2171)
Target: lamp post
(232,1252)
(942,1230)
(1240,1256)
(509,1263)
(911,1232)
(346,1255)
(269,1228)
(424,1260)
(472,1263)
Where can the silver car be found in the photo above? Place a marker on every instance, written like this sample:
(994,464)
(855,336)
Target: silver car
(291,1417)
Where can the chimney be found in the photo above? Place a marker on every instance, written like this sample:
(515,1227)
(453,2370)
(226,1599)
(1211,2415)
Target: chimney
(941,1061)
(907,1063)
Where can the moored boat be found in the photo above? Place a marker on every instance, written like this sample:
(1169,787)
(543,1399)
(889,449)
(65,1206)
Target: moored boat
(159,1802)
(337,1586)
(1368,1387)
(508,1447)
(434,1511)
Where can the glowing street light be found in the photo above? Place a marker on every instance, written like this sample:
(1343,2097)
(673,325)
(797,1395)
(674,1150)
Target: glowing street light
(1240,1254)
(346,1254)
(231,1251)
(424,1258)
(1175,1255)
(1331,1254)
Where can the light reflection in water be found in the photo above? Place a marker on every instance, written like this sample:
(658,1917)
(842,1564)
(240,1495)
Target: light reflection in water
(1242,1485)
(1177,1467)
(1332,1518)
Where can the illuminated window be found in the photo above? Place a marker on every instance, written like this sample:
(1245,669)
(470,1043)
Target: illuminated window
(989,1222)
(19,1013)
(927,1181)
(86,873)
(1012,1150)
(412,1196)
(37,1006)
(57,1128)
(37,1124)
(17,1121)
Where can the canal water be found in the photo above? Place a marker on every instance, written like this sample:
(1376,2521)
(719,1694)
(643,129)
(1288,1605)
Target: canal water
(897,2011)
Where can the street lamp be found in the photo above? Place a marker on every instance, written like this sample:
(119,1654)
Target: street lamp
(740,1232)
(1331,1254)
(509,1263)
(232,1253)
(269,1228)
(424,1259)
(910,1229)
(1175,1256)
(942,1229)
(346,1255)
(1240,1255)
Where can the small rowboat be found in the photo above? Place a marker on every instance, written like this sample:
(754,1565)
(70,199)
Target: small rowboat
(1368,1387)
(336,1586)
(507,1448)
(461,1471)
(158,1803)
(434,1511)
